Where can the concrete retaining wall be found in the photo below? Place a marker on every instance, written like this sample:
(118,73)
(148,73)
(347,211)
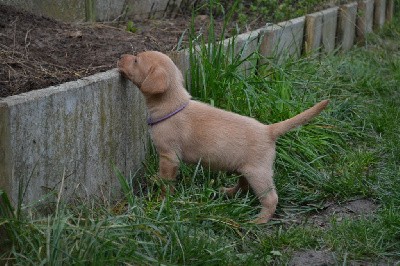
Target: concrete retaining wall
(389,10)
(365,18)
(346,30)
(98,10)
(78,130)
(284,40)
(313,32)
(242,48)
(379,13)
(66,10)
(329,27)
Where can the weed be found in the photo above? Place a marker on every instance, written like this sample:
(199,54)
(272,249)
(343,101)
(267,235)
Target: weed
(130,26)
(247,13)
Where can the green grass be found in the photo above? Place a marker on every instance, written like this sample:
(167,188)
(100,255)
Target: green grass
(350,151)
(248,13)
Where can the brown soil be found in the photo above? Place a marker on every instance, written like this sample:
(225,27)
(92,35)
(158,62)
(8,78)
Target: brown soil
(37,52)
(350,210)
(313,258)
(326,258)
(338,212)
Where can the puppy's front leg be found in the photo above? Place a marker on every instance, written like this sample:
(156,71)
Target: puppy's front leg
(168,171)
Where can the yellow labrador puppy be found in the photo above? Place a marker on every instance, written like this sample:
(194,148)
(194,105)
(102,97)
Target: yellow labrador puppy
(191,131)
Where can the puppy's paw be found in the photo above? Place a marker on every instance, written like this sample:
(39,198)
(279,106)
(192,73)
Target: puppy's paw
(229,191)
(260,220)
(161,187)
(263,217)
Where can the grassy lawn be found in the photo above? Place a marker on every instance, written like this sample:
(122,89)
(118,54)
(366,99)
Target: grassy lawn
(348,155)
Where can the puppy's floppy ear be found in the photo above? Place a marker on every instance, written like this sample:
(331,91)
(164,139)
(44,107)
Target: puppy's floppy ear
(156,81)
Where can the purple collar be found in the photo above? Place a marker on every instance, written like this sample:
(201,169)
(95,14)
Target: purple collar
(150,121)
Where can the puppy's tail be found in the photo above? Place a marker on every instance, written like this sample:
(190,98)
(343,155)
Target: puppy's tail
(281,128)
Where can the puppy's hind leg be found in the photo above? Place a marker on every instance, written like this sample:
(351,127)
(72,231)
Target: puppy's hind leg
(242,185)
(261,182)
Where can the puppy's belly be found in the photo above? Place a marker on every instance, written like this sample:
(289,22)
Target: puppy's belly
(214,162)
(228,155)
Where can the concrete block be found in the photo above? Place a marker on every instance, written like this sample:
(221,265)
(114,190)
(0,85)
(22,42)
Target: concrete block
(77,130)
(65,10)
(389,10)
(282,41)
(379,14)
(139,9)
(98,10)
(346,26)
(242,47)
(329,27)
(182,61)
(365,18)
(313,33)
(172,8)
(106,10)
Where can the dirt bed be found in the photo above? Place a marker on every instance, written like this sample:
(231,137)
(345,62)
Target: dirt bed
(37,52)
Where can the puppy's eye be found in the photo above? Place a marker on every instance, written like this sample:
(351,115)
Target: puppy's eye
(135,60)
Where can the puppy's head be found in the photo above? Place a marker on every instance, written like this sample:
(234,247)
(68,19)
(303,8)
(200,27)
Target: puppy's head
(149,71)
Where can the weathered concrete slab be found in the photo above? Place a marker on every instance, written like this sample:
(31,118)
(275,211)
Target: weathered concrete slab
(313,33)
(98,10)
(172,8)
(242,48)
(346,26)
(66,10)
(139,9)
(77,130)
(379,14)
(389,10)
(182,61)
(365,18)
(283,41)
(107,10)
(329,27)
